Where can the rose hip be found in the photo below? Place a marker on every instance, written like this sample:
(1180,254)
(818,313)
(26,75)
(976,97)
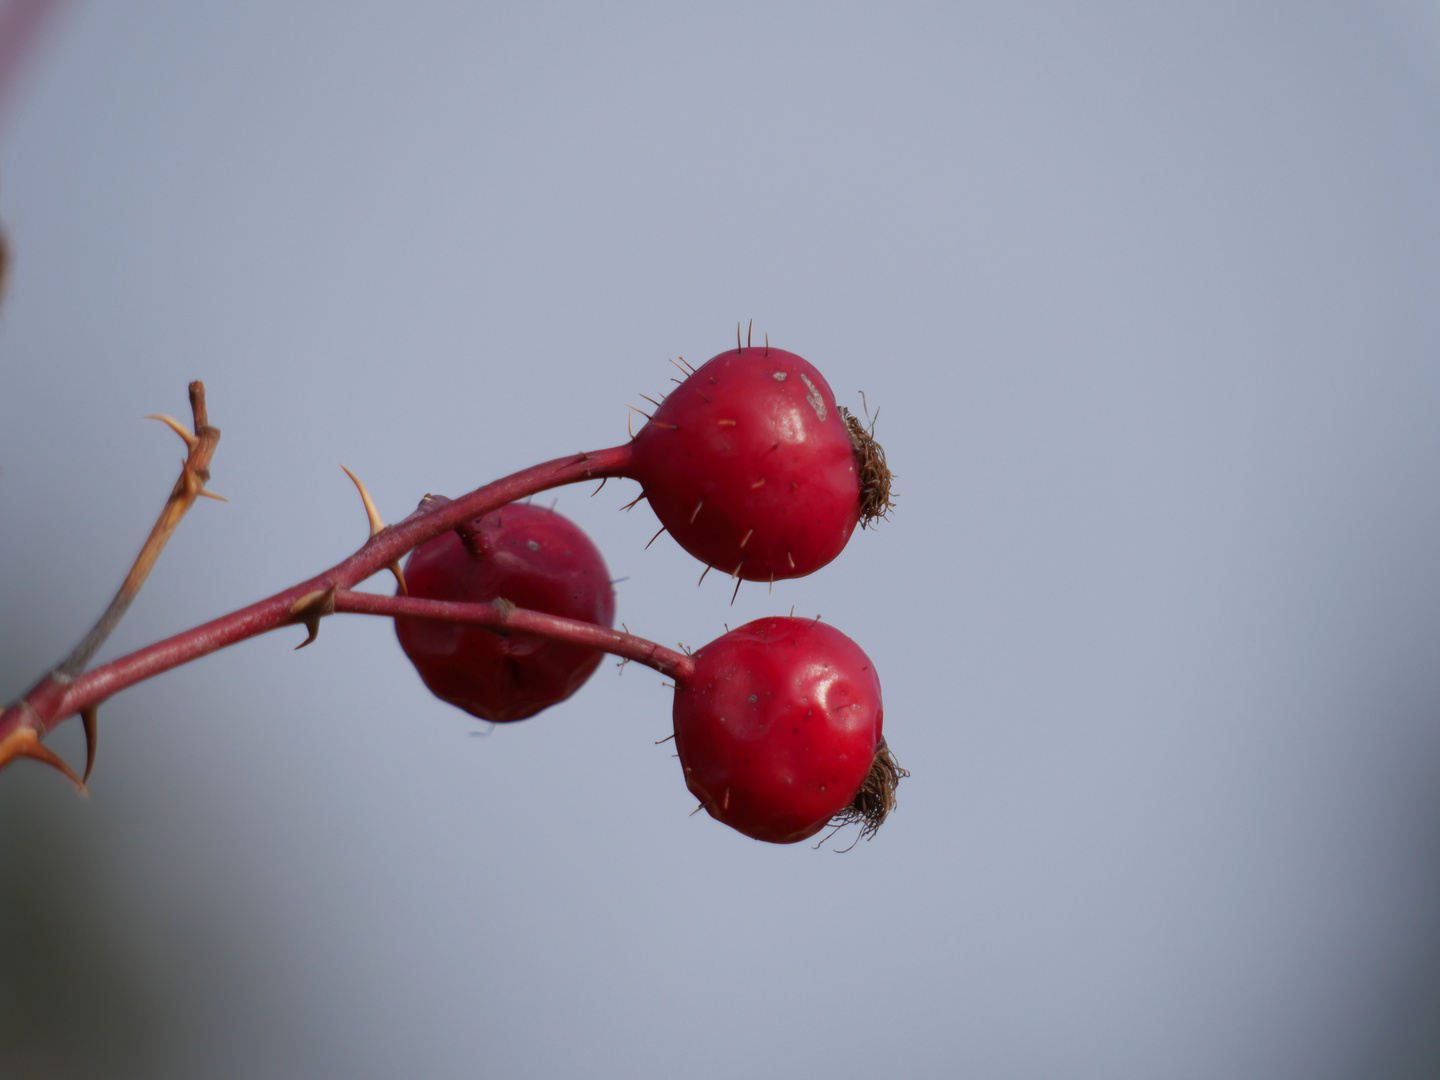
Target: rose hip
(530,557)
(752,468)
(779,726)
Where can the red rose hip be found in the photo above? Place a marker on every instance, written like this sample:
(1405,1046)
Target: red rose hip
(533,558)
(752,468)
(779,730)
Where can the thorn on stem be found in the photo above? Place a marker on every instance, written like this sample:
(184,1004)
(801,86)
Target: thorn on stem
(89,718)
(394,567)
(180,429)
(24,742)
(310,609)
(377,524)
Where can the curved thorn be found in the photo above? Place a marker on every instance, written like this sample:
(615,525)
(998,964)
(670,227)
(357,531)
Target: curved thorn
(394,568)
(655,537)
(204,493)
(708,568)
(23,742)
(177,427)
(602,484)
(89,718)
(310,609)
(748,330)
(377,524)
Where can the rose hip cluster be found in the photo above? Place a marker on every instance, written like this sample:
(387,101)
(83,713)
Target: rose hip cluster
(752,467)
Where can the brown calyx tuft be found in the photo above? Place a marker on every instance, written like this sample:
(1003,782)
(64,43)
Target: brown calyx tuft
(876,798)
(875,476)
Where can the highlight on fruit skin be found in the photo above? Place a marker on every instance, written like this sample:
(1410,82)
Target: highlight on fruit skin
(780,731)
(752,467)
(531,557)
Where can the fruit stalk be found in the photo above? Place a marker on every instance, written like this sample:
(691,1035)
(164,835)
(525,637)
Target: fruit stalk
(502,614)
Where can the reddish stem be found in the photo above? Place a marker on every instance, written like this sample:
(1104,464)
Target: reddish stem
(502,613)
(56,698)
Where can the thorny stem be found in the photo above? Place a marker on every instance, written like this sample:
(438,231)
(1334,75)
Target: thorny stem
(500,613)
(51,701)
(189,487)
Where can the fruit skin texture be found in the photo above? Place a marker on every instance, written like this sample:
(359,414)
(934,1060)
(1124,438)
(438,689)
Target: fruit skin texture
(749,466)
(777,727)
(534,558)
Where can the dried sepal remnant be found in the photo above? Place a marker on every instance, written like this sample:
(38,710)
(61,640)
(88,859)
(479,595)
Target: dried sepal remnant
(876,798)
(876,499)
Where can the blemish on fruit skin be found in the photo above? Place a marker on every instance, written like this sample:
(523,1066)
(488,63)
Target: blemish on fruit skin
(780,376)
(814,399)
(533,545)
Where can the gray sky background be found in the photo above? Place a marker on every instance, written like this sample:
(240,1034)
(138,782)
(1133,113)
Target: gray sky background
(1149,299)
